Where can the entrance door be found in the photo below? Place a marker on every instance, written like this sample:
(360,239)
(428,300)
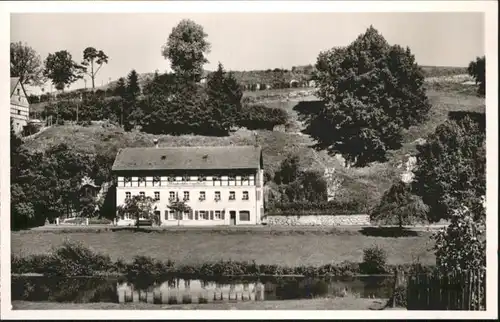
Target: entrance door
(232,217)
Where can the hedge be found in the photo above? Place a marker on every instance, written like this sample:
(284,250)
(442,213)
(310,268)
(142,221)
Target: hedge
(322,208)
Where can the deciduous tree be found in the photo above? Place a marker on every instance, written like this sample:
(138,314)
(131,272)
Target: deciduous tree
(26,64)
(372,91)
(451,167)
(95,59)
(62,69)
(477,69)
(186,49)
(137,207)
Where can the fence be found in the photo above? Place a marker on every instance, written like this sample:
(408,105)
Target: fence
(465,291)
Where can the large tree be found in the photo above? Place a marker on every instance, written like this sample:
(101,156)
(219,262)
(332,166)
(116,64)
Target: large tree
(62,69)
(133,88)
(451,167)
(95,59)
(26,64)
(186,49)
(371,92)
(224,99)
(477,69)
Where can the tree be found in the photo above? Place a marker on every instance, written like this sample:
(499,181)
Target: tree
(26,64)
(372,91)
(133,88)
(399,206)
(93,57)
(121,88)
(179,207)
(461,248)
(477,69)
(224,99)
(451,167)
(289,170)
(62,70)
(186,49)
(137,207)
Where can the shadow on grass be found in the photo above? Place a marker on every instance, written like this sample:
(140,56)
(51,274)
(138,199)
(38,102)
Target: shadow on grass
(388,232)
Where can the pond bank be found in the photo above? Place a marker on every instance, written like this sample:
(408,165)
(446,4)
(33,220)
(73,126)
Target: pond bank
(310,304)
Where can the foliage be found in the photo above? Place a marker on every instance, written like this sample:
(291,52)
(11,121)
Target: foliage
(461,246)
(399,206)
(186,49)
(257,117)
(223,98)
(26,64)
(374,261)
(93,57)
(451,167)
(62,70)
(75,259)
(99,221)
(133,88)
(137,207)
(372,91)
(289,170)
(87,206)
(477,69)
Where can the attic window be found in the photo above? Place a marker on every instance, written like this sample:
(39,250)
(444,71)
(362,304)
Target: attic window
(163,157)
(205,157)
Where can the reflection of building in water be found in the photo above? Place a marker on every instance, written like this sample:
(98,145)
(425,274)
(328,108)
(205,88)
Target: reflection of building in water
(190,291)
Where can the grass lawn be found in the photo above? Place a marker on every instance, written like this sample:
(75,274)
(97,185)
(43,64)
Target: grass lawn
(314,304)
(192,247)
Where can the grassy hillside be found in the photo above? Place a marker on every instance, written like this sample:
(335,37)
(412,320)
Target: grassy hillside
(367,183)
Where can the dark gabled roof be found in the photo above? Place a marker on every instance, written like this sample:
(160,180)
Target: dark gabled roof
(13,83)
(187,158)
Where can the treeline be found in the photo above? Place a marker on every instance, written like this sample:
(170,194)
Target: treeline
(171,104)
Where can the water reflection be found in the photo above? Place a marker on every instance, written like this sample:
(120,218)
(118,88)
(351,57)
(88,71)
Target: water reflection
(177,290)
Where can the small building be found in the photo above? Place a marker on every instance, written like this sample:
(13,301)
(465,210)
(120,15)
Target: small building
(223,185)
(19,105)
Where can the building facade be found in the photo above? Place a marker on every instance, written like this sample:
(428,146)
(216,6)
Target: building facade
(19,106)
(221,185)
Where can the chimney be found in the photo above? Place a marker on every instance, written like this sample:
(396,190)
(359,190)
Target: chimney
(155,142)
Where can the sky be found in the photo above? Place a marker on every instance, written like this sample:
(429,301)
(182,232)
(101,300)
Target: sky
(246,41)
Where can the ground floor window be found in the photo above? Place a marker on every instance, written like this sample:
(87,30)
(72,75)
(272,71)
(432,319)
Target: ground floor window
(188,215)
(245,215)
(203,215)
(218,214)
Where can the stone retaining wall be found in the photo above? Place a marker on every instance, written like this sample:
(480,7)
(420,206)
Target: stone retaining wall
(318,220)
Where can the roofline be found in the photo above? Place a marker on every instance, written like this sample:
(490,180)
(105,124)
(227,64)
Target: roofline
(22,86)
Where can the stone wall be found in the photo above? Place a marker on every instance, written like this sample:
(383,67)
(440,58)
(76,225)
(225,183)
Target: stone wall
(318,220)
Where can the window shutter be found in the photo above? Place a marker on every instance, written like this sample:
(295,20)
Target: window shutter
(196,215)
(191,214)
(223,212)
(211,215)
(258,195)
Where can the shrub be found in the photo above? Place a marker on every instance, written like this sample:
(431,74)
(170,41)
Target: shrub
(99,221)
(374,261)
(399,296)
(255,117)
(145,266)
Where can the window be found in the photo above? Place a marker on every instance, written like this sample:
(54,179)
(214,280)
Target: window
(232,195)
(142,180)
(187,215)
(156,181)
(232,180)
(202,178)
(127,195)
(218,214)
(186,195)
(245,180)
(142,194)
(127,181)
(217,195)
(186,178)
(18,112)
(171,215)
(245,215)
(18,91)
(171,196)
(203,215)
(245,195)
(170,179)
(157,195)
(202,195)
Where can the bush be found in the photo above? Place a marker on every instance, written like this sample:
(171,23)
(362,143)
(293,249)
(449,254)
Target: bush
(99,221)
(374,261)
(145,266)
(255,117)
(74,259)
(399,296)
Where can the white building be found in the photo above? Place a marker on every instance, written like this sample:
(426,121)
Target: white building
(19,105)
(222,185)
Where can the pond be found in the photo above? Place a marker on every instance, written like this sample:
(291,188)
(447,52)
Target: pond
(177,290)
